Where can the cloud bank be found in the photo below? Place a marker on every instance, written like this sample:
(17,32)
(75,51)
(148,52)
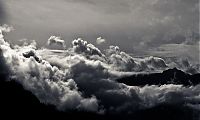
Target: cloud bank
(83,78)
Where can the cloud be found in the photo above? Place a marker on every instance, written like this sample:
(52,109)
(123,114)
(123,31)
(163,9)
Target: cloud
(124,62)
(155,62)
(100,40)
(31,53)
(56,43)
(45,81)
(83,78)
(81,46)
(183,51)
(183,64)
(6,28)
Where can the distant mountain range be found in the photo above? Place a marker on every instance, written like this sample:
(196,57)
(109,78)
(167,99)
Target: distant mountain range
(170,76)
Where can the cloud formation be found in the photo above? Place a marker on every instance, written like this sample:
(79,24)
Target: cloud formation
(56,43)
(100,40)
(83,78)
(81,46)
(6,28)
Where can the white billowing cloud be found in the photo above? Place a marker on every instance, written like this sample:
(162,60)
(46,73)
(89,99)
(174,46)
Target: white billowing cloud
(56,42)
(154,62)
(90,104)
(175,53)
(6,28)
(100,40)
(181,46)
(45,81)
(1,37)
(124,62)
(81,46)
(121,60)
(83,78)
(183,64)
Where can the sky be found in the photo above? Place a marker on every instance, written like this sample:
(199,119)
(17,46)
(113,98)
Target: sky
(140,27)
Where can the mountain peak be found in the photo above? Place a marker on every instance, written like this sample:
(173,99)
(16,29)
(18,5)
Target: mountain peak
(170,76)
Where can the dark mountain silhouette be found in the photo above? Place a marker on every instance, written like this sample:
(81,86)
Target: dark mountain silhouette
(15,99)
(17,102)
(170,76)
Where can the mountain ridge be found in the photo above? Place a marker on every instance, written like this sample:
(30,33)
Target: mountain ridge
(169,76)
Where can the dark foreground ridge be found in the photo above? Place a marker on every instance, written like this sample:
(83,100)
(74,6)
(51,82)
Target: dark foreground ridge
(17,102)
(170,76)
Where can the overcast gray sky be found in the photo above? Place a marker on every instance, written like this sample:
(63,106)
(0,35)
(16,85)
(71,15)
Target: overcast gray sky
(135,25)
